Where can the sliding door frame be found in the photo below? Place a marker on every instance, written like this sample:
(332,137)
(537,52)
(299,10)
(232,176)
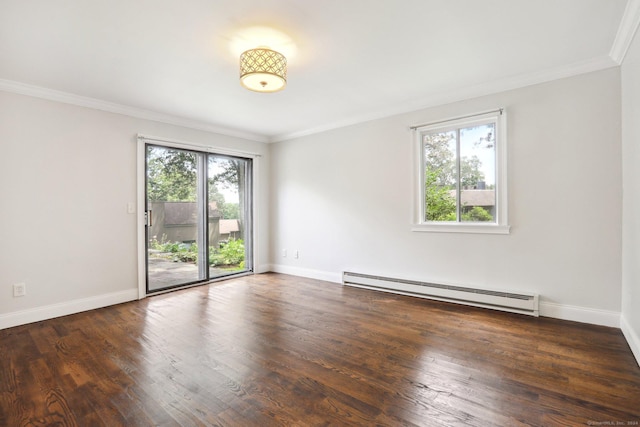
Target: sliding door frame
(142,141)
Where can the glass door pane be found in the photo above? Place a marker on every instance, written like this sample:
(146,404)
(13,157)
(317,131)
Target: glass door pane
(175,209)
(229,213)
(199,217)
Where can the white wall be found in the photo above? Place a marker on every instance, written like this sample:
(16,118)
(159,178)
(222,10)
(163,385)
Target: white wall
(630,322)
(67,174)
(344,199)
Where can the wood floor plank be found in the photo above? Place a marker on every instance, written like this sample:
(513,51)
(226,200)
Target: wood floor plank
(277,350)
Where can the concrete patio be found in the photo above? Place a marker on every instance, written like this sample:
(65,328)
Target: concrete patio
(164,273)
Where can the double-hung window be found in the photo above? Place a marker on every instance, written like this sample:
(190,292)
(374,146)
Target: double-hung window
(462,175)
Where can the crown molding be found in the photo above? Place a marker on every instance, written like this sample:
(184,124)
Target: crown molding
(630,21)
(626,31)
(111,107)
(462,94)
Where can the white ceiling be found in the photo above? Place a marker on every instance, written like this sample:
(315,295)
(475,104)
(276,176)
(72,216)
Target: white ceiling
(349,60)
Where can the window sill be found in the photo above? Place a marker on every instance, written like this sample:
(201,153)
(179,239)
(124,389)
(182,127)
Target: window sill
(462,228)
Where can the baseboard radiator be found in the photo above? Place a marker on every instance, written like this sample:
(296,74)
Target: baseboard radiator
(523,303)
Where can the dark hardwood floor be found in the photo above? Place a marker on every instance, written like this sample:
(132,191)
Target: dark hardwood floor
(281,350)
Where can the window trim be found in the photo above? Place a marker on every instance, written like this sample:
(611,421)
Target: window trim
(501,225)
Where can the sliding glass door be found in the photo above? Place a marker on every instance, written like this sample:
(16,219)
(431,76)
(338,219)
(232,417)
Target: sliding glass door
(198,216)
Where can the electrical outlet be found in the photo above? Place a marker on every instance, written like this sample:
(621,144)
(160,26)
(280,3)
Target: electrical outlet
(131,207)
(19,290)
(284,253)
(296,254)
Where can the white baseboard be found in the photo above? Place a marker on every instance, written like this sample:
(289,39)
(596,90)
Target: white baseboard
(263,268)
(632,337)
(38,314)
(547,309)
(580,314)
(305,272)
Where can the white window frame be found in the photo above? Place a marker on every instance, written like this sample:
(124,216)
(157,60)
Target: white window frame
(501,224)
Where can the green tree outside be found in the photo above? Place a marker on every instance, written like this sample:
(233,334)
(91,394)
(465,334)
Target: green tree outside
(441,177)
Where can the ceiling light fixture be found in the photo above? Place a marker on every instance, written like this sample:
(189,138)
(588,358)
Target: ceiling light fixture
(263,70)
